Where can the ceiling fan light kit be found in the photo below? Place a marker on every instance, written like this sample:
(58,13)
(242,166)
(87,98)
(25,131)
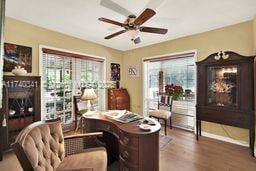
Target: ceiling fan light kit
(132,25)
(133,34)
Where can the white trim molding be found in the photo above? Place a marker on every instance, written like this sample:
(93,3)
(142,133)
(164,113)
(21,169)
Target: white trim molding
(68,51)
(170,54)
(225,139)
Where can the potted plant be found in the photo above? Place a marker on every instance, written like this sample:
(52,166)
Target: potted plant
(176,91)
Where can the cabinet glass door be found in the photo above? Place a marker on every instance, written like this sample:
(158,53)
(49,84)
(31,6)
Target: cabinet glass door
(222,85)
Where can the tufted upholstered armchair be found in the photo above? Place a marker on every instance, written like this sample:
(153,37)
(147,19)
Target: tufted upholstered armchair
(42,147)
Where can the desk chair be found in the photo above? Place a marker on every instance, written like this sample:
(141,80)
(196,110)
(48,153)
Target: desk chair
(42,146)
(163,101)
(80,108)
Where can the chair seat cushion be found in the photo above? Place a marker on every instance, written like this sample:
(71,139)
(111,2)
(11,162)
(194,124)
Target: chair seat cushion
(91,159)
(159,113)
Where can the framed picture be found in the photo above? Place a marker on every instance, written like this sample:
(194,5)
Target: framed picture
(133,71)
(115,72)
(17,55)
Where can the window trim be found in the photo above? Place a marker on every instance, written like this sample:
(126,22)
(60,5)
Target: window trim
(72,55)
(65,51)
(170,56)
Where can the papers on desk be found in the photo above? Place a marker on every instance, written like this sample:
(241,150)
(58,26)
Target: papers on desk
(122,115)
(114,114)
(90,113)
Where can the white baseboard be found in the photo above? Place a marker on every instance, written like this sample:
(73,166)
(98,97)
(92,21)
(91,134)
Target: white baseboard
(226,139)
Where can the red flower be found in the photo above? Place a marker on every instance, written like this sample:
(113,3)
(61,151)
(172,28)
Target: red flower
(173,90)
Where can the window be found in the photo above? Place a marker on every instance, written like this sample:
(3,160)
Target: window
(181,71)
(87,71)
(64,76)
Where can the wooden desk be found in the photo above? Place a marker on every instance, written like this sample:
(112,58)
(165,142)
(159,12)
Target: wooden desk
(138,150)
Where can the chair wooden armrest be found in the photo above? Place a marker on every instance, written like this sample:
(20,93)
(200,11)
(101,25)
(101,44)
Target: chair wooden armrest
(86,135)
(78,143)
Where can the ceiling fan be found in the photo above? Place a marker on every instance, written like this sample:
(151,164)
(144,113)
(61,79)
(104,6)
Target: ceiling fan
(132,24)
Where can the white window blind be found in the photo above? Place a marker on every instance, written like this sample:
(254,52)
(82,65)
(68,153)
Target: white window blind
(89,74)
(63,77)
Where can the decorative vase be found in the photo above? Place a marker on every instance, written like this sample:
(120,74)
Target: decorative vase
(223,99)
(175,97)
(19,71)
(117,84)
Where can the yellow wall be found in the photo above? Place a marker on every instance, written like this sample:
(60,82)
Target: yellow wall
(30,35)
(254,34)
(236,38)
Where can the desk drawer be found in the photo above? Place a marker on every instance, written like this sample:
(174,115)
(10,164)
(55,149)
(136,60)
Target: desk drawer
(128,154)
(107,127)
(103,127)
(129,141)
(125,166)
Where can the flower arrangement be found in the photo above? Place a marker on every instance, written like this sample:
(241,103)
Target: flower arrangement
(222,90)
(221,86)
(173,90)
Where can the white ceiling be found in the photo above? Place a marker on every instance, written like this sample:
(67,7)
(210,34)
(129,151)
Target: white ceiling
(79,18)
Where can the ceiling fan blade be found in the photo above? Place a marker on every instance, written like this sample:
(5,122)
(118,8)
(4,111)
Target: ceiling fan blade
(137,40)
(115,7)
(111,21)
(144,16)
(115,34)
(153,30)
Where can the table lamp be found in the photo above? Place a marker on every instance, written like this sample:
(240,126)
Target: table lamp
(88,95)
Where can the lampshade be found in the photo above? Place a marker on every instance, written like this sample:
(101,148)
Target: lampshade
(88,94)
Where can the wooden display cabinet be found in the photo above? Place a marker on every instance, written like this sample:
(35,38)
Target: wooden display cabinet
(21,107)
(225,92)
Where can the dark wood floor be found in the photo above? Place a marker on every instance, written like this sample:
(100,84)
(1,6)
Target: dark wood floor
(184,153)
